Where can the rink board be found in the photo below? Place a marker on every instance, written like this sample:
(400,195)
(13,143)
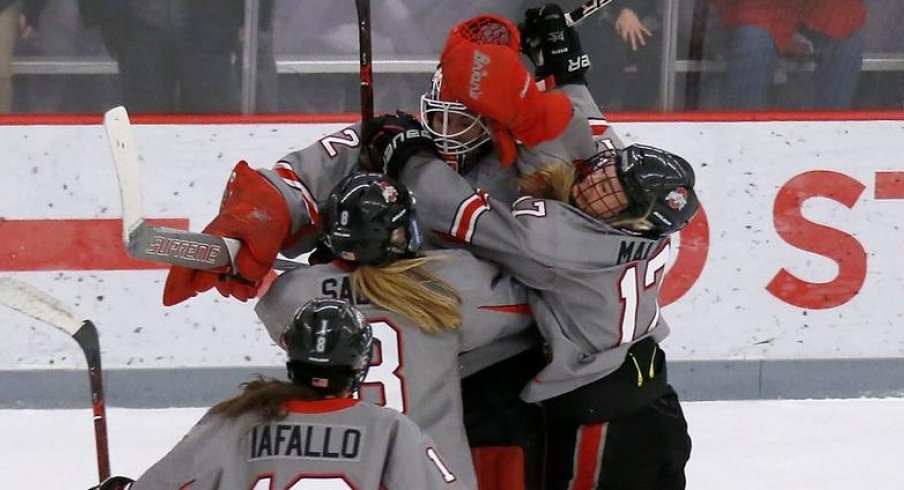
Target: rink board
(796,261)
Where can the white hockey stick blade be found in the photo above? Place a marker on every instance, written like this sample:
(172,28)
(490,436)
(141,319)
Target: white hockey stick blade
(587,8)
(39,305)
(128,168)
(147,242)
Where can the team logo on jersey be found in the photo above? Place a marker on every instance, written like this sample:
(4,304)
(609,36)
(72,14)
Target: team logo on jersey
(390,193)
(677,199)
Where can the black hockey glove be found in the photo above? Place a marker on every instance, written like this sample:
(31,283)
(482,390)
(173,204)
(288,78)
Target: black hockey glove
(554,47)
(115,483)
(391,139)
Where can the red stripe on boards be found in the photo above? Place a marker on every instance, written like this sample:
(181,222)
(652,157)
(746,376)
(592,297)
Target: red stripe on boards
(71,244)
(348,118)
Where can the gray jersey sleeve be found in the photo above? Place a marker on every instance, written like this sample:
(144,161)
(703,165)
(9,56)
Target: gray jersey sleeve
(189,461)
(305,178)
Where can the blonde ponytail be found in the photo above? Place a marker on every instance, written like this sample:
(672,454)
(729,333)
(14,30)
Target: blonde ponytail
(407,288)
(552,181)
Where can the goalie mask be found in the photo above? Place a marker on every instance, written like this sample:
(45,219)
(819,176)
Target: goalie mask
(641,189)
(370,219)
(329,344)
(462,137)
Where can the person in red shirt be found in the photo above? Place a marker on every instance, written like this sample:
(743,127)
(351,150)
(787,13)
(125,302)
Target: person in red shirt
(762,31)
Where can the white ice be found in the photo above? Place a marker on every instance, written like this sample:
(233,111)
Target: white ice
(755,445)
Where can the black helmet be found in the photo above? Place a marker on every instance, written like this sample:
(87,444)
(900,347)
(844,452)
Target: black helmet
(361,214)
(329,343)
(660,187)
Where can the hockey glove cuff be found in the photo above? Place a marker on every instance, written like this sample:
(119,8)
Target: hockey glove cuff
(554,48)
(252,211)
(114,483)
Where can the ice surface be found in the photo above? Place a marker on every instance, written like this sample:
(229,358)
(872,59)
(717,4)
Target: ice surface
(788,445)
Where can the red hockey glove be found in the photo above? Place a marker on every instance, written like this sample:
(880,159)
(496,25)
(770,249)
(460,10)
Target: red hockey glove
(491,81)
(255,213)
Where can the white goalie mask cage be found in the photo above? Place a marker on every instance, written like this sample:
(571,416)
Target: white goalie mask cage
(450,122)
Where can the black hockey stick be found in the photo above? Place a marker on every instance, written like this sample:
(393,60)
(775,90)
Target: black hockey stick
(39,305)
(587,8)
(367,67)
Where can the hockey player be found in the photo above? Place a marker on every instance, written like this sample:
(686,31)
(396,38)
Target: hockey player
(594,244)
(309,431)
(424,308)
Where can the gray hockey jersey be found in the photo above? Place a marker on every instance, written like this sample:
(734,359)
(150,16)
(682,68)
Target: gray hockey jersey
(596,290)
(417,373)
(597,286)
(336,444)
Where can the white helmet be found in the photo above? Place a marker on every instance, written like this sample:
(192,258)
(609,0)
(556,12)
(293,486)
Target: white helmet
(435,114)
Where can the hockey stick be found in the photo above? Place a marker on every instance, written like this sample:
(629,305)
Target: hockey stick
(157,243)
(39,305)
(367,67)
(587,8)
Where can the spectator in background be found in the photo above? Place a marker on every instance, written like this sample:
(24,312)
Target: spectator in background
(762,31)
(14,25)
(625,52)
(173,55)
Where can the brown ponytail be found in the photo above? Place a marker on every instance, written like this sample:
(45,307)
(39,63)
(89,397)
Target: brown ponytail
(266,396)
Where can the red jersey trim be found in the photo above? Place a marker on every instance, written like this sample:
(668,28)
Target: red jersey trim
(517,309)
(467,214)
(288,175)
(320,406)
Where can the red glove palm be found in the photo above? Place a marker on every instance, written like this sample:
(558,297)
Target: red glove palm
(491,81)
(255,213)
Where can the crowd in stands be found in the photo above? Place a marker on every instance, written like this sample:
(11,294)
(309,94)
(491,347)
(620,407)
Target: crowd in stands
(185,56)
